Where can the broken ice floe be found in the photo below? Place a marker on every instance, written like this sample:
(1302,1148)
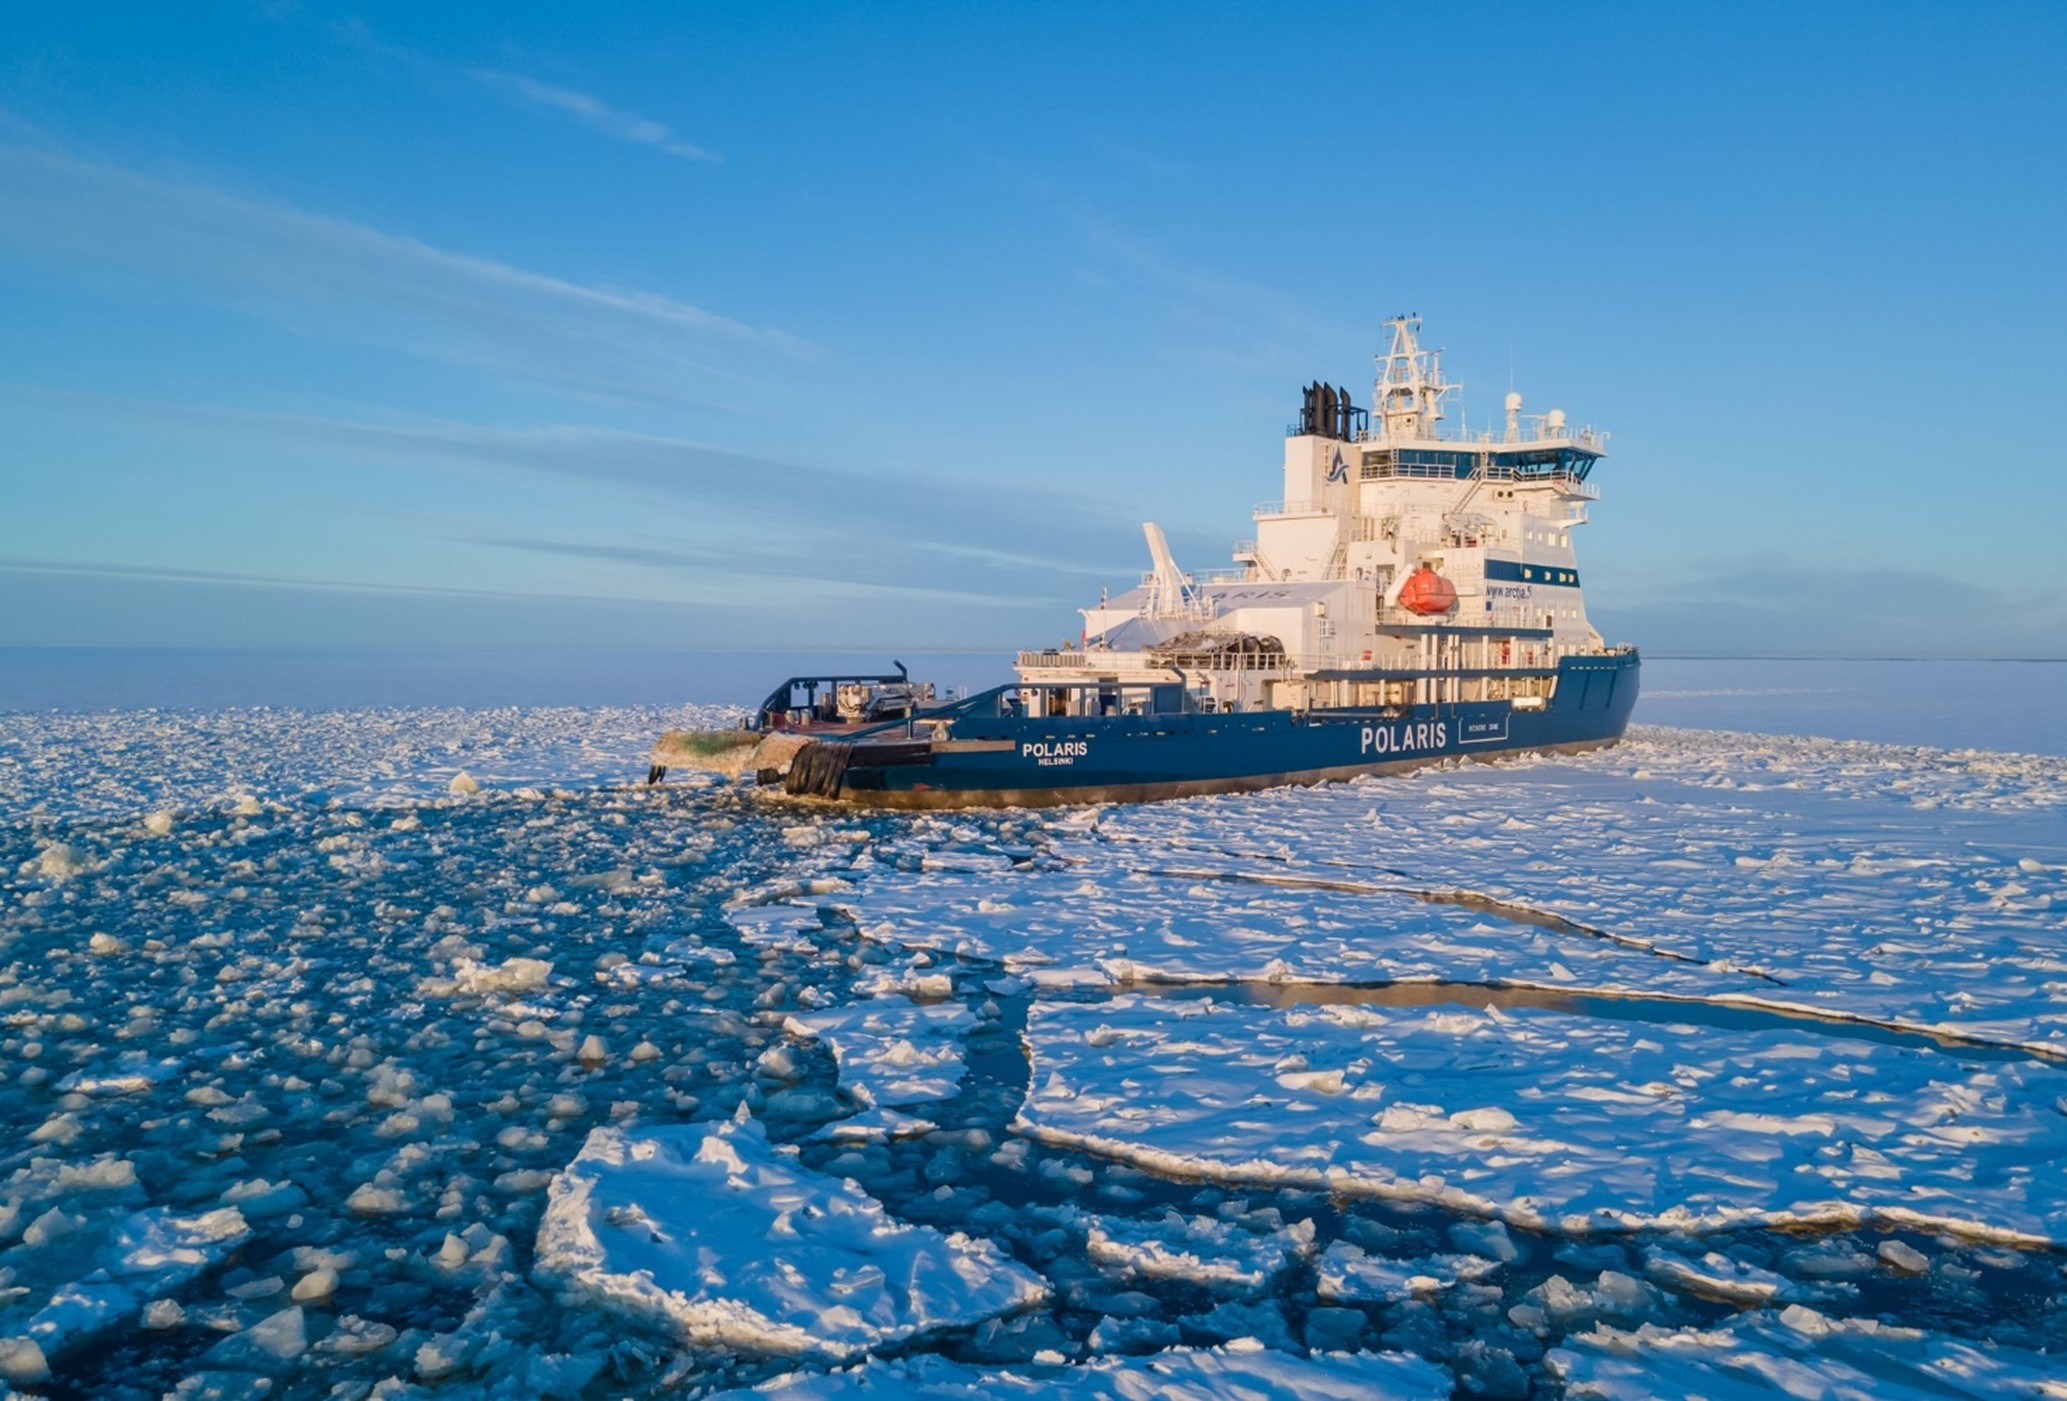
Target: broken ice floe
(1241,1369)
(1801,874)
(1554,1121)
(892,1052)
(1797,1352)
(1345,1272)
(146,1256)
(1203,1251)
(710,1229)
(140,767)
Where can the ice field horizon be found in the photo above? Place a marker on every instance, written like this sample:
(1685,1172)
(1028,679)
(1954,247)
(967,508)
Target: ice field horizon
(366,1030)
(2011,704)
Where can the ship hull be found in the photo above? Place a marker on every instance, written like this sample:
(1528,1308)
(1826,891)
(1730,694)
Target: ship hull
(1046,762)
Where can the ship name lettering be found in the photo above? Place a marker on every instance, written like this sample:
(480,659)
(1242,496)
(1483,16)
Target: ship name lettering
(1048,753)
(1403,739)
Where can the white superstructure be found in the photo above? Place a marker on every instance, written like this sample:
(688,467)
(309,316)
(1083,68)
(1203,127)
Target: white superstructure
(1402,566)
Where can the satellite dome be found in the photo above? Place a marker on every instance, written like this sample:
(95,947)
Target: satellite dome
(1514,402)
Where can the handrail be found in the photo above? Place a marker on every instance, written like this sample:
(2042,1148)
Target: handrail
(778,700)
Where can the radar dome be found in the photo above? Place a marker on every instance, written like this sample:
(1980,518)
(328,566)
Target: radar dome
(1555,420)
(1514,402)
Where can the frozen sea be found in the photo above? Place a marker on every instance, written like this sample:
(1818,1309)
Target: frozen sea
(365,1029)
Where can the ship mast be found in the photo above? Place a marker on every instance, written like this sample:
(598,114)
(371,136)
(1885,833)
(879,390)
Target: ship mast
(1408,393)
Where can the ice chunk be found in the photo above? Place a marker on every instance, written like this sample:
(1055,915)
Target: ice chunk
(151,1253)
(171,1250)
(1208,1252)
(463,783)
(1346,1272)
(270,1343)
(370,1200)
(133,1073)
(1487,1238)
(441,1356)
(513,975)
(1716,1276)
(317,1284)
(891,1050)
(54,1224)
(710,1229)
(355,1335)
(259,1198)
(22,1362)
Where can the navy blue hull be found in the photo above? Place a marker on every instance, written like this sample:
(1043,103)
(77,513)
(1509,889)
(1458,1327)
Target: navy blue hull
(1009,761)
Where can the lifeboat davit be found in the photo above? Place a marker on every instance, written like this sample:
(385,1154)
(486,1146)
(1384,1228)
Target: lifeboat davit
(1427,592)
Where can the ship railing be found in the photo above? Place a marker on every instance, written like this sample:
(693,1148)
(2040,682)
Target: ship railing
(1505,619)
(1197,606)
(1290,508)
(1562,479)
(1586,437)
(1414,471)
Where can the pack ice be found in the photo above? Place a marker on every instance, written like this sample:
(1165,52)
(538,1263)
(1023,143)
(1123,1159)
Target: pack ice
(1243,1369)
(1557,1122)
(308,1024)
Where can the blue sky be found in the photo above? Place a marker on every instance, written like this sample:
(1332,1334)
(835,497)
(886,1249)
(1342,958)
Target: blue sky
(826,325)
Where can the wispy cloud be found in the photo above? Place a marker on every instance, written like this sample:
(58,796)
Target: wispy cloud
(804,574)
(334,278)
(594,113)
(171,574)
(747,516)
(883,514)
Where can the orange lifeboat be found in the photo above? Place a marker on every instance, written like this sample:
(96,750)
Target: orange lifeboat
(1427,592)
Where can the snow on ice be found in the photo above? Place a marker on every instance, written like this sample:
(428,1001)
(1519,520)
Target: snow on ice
(1907,887)
(1243,1369)
(1558,1122)
(712,1229)
(892,1053)
(1797,1352)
